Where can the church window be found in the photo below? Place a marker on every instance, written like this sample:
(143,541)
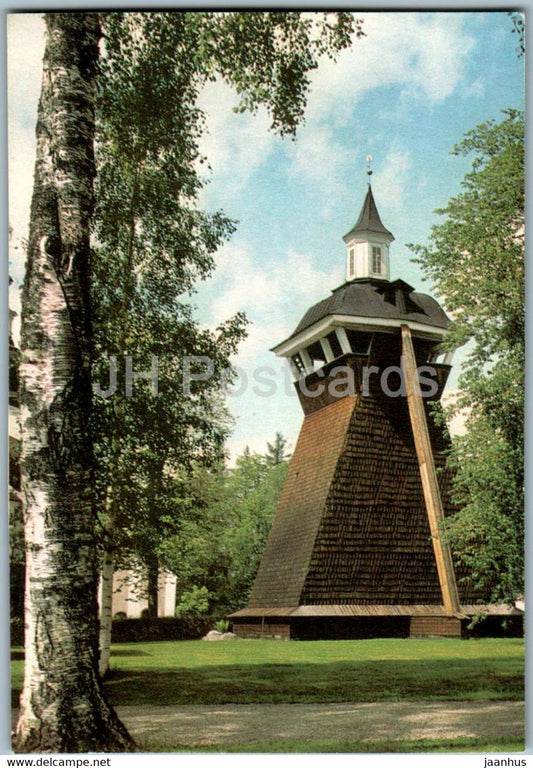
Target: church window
(376,260)
(351,268)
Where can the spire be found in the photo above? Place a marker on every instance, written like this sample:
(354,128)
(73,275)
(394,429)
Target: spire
(368,241)
(368,221)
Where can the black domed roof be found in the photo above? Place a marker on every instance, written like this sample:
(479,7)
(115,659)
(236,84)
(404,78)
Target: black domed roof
(380,299)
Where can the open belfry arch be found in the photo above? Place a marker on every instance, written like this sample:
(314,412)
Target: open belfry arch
(357,547)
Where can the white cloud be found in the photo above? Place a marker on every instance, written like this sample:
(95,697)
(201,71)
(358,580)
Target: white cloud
(442,55)
(425,53)
(319,159)
(476,89)
(272,297)
(25,37)
(391,182)
(234,144)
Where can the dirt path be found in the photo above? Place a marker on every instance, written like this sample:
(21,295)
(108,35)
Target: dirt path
(255,723)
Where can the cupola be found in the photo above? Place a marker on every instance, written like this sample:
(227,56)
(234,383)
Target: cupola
(366,310)
(367,243)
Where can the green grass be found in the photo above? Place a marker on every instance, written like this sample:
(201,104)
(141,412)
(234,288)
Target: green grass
(254,671)
(370,746)
(262,671)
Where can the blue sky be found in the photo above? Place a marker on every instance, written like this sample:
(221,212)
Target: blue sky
(406,93)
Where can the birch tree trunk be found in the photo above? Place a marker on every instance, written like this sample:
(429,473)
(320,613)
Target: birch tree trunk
(62,705)
(106,581)
(153,585)
(106,610)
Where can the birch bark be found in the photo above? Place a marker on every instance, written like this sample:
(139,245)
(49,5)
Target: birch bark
(62,704)
(106,610)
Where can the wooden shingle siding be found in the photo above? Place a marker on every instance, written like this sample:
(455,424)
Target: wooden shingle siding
(351,529)
(285,563)
(373,545)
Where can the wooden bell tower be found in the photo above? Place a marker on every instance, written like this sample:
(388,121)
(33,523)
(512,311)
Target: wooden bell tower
(357,546)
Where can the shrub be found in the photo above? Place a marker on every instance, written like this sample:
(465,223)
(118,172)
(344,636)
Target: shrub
(195,602)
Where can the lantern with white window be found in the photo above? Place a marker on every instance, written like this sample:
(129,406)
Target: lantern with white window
(360,322)
(367,244)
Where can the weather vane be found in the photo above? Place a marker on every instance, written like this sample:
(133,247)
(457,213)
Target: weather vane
(369,167)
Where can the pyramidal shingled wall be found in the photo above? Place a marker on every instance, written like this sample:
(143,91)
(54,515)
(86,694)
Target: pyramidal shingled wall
(351,525)
(283,570)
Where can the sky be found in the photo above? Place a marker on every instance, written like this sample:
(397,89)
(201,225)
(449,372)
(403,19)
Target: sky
(406,93)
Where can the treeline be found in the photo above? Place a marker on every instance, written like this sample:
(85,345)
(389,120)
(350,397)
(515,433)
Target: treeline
(221,531)
(217,526)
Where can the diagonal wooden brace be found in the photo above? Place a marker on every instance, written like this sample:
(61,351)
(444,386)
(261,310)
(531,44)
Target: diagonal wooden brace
(428,475)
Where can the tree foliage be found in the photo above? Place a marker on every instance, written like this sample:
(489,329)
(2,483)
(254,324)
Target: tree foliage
(224,520)
(476,260)
(276,451)
(154,243)
(519,29)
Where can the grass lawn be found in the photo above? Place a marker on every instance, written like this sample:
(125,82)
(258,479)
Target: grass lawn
(255,671)
(371,746)
(263,671)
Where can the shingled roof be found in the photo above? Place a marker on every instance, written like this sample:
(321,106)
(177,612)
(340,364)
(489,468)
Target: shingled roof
(374,298)
(368,220)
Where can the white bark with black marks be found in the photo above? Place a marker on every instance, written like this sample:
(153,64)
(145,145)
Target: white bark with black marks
(106,610)
(62,705)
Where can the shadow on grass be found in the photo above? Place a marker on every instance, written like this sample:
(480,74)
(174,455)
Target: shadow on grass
(459,744)
(17,655)
(487,679)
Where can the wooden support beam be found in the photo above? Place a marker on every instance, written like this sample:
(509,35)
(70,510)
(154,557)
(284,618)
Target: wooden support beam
(343,340)
(306,360)
(428,474)
(328,352)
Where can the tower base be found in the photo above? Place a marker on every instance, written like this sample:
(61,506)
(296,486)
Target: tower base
(435,626)
(343,622)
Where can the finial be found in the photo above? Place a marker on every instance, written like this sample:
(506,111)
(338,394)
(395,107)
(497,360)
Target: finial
(369,167)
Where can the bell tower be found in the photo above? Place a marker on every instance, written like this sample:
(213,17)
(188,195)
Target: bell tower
(357,546)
